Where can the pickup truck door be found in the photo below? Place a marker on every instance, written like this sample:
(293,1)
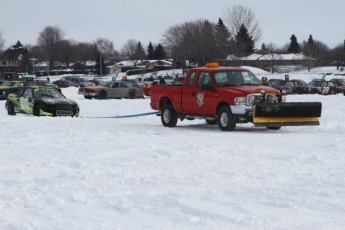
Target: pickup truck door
(198,101)
(188,94)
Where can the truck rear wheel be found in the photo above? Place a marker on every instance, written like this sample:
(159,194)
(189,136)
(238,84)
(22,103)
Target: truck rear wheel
(169,116)
(226,121)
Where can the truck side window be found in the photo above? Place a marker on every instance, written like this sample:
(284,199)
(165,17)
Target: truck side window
(204,78)
(190,79)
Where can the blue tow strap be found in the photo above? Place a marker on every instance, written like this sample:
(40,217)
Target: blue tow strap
(126,116)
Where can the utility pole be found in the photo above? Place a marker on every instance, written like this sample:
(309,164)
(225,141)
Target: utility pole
(100,63)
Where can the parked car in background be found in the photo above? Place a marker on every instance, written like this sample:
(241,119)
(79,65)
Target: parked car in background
(338,81)
(276,82)
(40,101)
(146,88)
(39,82)
(9,87)
(324,87)
(157,80)
(301,87)
(96,81)
(80,81)
(65,83)
(112,89)
(280,84)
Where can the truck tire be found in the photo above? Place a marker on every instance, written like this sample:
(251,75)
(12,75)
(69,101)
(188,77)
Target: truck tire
(10,109)
(226,121)
(169,116)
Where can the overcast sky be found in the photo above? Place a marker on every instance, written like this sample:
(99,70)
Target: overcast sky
(147,20)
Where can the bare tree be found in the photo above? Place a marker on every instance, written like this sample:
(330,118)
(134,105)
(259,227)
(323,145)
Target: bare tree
(106,47)
(239,15)
(48,40)
(272,57)
(129,50)
(86,51)
(2,42)
(337,55)
(67,51)
(173,40)
(315,52)
(194,41)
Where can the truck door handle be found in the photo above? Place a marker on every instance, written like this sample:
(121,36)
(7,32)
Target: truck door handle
(193,93)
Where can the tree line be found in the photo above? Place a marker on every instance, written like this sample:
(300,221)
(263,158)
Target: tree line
(199,41)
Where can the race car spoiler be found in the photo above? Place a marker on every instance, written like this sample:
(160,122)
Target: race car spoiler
(287,114)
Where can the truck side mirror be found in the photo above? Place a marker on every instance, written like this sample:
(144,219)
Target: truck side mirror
(207,87)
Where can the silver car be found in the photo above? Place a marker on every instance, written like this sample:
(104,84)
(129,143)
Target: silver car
(81,81)
(112,89)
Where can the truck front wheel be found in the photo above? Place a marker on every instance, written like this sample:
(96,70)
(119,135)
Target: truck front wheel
(169,116)
(226,120)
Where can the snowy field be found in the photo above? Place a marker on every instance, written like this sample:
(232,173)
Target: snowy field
(133,173)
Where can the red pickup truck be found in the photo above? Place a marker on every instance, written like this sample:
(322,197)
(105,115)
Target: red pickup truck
(226,96)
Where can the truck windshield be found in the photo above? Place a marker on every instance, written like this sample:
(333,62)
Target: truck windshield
(235,78)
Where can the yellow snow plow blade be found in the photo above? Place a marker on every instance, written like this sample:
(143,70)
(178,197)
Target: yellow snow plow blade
(287,114)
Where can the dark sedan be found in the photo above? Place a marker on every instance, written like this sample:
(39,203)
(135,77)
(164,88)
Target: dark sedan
(40,101)
(323,87)
(338,81)
(65,83)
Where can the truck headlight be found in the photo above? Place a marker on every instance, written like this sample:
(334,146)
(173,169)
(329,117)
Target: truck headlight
(240,100)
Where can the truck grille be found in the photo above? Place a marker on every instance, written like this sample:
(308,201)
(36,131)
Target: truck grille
(64,113)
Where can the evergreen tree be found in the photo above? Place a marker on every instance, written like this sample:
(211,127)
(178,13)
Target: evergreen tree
(222,39)
(245,43)
(100,65)
(150,52)
(160,52)
(263,46)
(294,46)
(139,53)
(310,40)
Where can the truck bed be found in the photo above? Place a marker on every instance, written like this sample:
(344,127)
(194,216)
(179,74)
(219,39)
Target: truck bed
(172,91)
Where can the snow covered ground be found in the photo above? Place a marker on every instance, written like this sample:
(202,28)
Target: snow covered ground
(133,173)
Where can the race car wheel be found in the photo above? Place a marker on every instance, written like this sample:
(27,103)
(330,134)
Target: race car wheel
(88,97)
(36,110)
(102,95)
(226,121)
(211,122)
(131,94)
(273,127)
(169,116)
(10,109)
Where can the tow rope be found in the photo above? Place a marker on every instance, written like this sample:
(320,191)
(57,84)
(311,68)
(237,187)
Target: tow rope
(127,116)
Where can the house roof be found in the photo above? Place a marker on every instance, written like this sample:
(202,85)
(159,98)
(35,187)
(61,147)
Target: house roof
(256,56)
(14,52)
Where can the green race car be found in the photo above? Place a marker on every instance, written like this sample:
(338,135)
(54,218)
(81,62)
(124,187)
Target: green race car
(41,101)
